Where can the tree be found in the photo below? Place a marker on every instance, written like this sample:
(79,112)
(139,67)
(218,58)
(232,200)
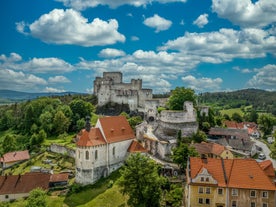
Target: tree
(141,182)
(61,123)
(253,116)
(237,117)
(135,120)
(179,95)
(266,122)
(46,121)
(37,198)
(9,144)
(180,154)
(199,136)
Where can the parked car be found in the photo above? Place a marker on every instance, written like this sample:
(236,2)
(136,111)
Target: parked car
(261,156)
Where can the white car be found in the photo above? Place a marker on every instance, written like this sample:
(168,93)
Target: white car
(261,156)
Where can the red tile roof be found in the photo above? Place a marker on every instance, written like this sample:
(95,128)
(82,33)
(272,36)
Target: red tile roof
(92,138)
(61,177)
(116,128)
(206,148)
(136,147)
(240,173)
(267,167)
(15,184)
(15,156)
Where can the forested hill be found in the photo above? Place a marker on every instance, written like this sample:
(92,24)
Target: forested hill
(260,100)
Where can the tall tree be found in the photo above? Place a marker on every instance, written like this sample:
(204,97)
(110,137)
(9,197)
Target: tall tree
(266,122)
(141,182)
(9,144)
(237,117)
(37,198)
(61,123)
(178,96)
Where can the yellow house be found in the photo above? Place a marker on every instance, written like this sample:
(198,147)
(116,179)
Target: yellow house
(229,183)
(213,150)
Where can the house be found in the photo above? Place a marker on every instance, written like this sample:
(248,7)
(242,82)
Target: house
(213,150)
(60,179)
(252,128)
(12,158)
(13,187)
(103,149)
(237,140)
(233,182)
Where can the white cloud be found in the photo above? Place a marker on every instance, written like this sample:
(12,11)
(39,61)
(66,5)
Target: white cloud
(111,53)
(246,13)
(14,57)
(53,90)
(83,4)
(13,80)
(134,38)
(58,79)
(202,84)
(201,21)
(157,22)
(265,78)
(69,27)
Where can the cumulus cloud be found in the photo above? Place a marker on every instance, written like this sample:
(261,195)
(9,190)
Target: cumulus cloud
(58,79)
(14,80)
(111,53)
(69,27)
(157,22)
(202,84)
(201,21)
(35,65)
(83,4)
(265,78)
(246,13)
(53,90)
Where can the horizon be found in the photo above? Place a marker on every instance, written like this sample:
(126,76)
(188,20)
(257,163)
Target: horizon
(208,46)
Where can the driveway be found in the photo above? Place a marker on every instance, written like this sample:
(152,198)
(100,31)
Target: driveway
(266,151)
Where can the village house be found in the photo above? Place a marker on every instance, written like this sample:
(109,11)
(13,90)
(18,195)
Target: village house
(229,183)
(213,150)
(252,128)
(236,140)
(12,158)
(104,148)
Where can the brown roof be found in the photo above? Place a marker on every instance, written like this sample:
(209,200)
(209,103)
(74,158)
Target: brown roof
(207,148)
(240,173)
(233,124)
(136,147)
(61,177)
(116,128)
(92,138)
(15,184)
(15,156)
(238,133)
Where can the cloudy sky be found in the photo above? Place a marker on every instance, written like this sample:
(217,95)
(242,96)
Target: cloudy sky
(206,45)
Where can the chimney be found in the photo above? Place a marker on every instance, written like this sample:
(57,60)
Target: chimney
(87,124)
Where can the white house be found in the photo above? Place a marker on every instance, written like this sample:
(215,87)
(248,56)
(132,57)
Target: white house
(103,148)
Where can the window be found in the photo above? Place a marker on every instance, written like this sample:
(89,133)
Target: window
(200,190)
(207,179)
(113,151)
(6,196)
(234,192)
(96,154)
(87,155)
(264,205)
(234,204)
(208,190)
(200,200)
(252,204)
(207,201)
(265,194)
(202,179)
(220,191)
(253,193)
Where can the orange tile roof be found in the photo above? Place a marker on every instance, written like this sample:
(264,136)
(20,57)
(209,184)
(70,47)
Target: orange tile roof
(15,156)
(240,173)
(206,148)
(267,167)
(15,184)
(92,138)
(136,147)
(59,177)
(116,128)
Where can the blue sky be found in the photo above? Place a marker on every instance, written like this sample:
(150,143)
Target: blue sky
(206,45)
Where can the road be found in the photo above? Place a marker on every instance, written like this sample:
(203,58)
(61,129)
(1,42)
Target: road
(266,151)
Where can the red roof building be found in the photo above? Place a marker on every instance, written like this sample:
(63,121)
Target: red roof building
(12,158)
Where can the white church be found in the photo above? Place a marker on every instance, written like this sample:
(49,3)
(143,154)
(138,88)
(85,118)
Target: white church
(103,149)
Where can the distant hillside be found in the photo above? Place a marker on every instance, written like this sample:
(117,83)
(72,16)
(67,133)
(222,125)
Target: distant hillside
(9,96)
(260,100)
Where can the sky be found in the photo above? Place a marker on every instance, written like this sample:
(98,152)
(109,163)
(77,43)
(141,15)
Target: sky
(205,45)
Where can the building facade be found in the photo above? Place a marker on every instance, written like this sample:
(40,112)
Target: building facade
(110,88)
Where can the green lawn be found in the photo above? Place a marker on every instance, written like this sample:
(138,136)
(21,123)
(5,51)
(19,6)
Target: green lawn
(230,112)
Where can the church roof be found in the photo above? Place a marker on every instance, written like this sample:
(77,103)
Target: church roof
(136,147)
(116,128)
(92,138)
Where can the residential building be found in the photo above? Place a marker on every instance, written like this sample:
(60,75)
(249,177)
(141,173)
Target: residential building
(213,150)
(12,158)
(229,183)
(103,148)
(251,127)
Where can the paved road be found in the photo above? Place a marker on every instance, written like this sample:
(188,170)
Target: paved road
(266,151)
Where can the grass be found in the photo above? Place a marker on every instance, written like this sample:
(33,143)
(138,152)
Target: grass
(63,139)
(230,112)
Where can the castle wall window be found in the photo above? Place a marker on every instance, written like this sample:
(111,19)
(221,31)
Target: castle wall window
(87,155)
(265,194)
(253,193)
(96,154)
(113,151)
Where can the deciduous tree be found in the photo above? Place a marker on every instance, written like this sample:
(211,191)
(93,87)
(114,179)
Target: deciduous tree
(179,95)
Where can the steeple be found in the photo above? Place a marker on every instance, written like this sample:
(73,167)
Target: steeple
(87,124)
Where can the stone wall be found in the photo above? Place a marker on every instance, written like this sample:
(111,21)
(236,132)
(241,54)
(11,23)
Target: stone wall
(62,150)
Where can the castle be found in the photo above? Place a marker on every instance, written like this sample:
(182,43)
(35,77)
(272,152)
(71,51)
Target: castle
(103,149)
(110,88)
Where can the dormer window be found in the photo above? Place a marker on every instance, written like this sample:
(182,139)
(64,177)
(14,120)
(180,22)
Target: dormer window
(202,179)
